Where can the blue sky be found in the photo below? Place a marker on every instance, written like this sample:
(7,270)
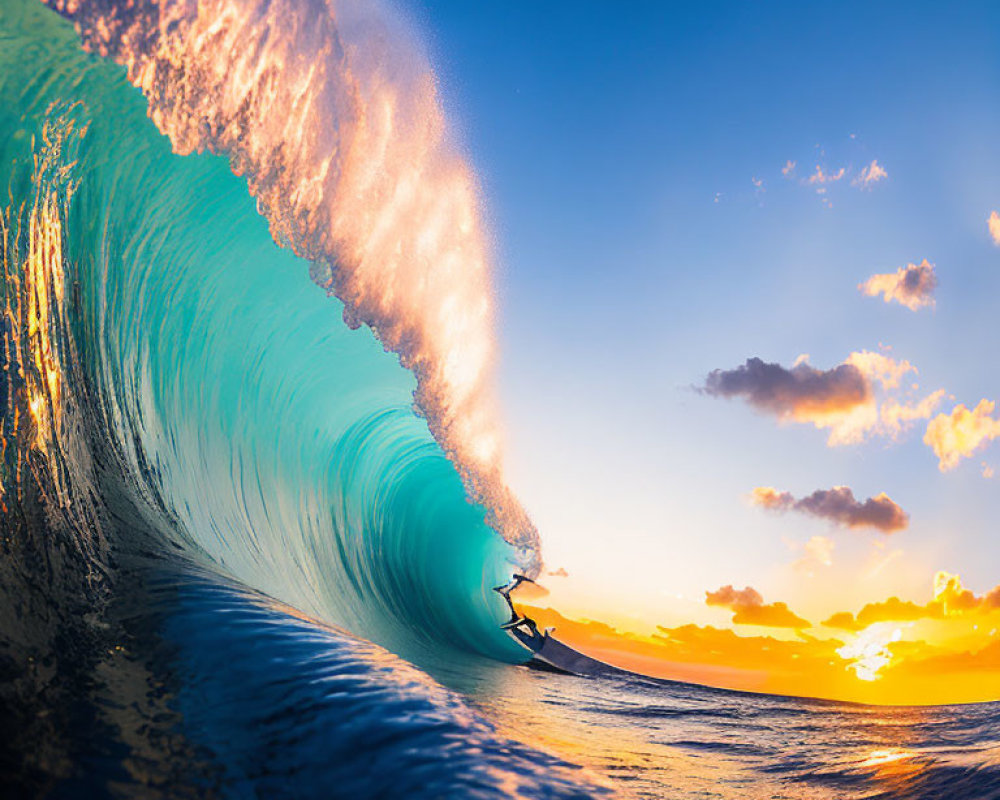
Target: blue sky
(616,145)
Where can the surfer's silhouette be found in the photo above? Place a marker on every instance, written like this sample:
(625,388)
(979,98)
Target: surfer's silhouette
(516,620)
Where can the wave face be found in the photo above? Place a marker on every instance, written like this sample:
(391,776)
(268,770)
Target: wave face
(269,436)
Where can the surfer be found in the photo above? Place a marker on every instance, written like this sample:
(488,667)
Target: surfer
(516,620)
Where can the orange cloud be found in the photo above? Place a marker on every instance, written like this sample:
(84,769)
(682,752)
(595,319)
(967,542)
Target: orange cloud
(869,175)
(955,598)
(844,620)
(911,286)
(950,599)
(749,608)
(891,610)
(994,225)
(960,434)
(896,610)
(838,505)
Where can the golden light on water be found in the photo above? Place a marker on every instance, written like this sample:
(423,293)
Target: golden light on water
(886,756)
(43,291)
(35,304)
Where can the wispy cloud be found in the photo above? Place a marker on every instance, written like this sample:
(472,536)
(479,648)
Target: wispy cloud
(820,550)
(961,433)
(869,175)
(911,286)
(819,177)
(749,608)
(815,554)
(895,417)
(824,177)
(839,506)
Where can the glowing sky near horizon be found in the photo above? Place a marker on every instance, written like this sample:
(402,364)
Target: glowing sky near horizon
(678,190)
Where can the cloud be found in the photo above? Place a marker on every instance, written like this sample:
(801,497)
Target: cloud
(960,434)
(820,550)
(949,591)
(854,400)
(869,175)
(880,367)
(994,224)
(732,597)
(912,286)
(842,620)
(839,506)
(559,573)
(801,392)
(824,178)
(891,610)
(950,599)
(816,553)
(819,177)
(896,610)
(749,608)
(896,417)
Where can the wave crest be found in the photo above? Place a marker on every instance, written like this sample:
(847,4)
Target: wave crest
(332,112)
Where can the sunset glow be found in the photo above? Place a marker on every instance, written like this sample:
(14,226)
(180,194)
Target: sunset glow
(946,650)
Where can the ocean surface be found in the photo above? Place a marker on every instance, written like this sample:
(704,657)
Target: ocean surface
(250,503)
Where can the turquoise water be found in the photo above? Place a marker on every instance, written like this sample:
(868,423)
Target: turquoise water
(282,445)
